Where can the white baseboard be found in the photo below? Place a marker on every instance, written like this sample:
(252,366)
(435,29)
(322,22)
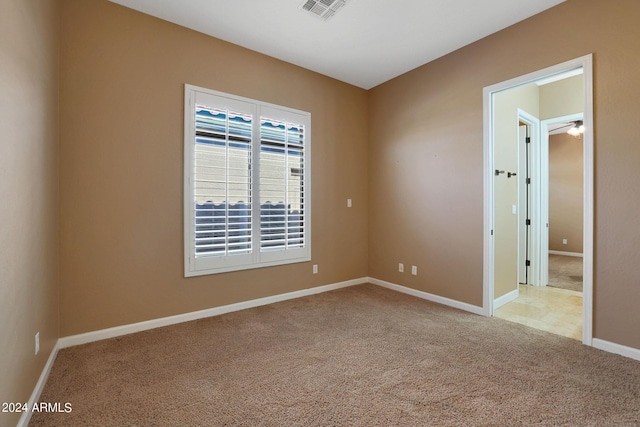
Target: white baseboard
(117,331)
(37,391)
(630,352)
(576,254)
(506,298)
(429,297)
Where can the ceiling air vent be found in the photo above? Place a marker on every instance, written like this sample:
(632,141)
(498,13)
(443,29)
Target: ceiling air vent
(324,9)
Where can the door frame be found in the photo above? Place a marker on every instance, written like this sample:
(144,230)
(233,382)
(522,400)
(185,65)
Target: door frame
(586,63)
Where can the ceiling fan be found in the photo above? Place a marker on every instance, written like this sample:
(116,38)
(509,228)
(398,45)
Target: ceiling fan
(574,128)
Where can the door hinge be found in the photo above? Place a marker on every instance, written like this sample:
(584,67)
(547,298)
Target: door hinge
(492,232)
(528,263)
(528,140)
(528,180)
(528,221)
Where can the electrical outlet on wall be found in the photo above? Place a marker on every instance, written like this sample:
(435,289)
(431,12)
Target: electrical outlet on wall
(414,270)
(565,241)
(315,268)
(401,267)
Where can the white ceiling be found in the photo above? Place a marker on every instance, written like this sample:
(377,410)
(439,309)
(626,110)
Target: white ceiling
(365,44)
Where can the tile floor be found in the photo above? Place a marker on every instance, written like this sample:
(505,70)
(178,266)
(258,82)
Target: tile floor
(554,310)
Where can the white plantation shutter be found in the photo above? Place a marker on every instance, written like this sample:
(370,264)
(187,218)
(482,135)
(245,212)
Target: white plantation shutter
(246,183)
(222,182)
(281,185)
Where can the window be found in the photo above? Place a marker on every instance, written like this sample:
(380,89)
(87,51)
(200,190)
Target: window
(247,201)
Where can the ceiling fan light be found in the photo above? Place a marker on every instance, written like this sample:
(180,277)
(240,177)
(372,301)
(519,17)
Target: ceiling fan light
(577,129)
(574,131)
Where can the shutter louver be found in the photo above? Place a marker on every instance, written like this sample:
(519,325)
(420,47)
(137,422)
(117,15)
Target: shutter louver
(281,185)
(222,182)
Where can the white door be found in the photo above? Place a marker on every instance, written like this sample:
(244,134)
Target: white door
(524,203)
(529,184)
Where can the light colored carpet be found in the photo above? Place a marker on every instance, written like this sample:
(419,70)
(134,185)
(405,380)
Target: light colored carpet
(360,356)
(565,272)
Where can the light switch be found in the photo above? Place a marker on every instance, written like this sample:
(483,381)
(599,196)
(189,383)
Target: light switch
(514,209)
(349,204)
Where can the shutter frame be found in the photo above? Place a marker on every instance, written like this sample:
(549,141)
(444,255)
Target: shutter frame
(199,264)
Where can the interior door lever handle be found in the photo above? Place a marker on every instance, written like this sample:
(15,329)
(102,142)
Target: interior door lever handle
(510,174)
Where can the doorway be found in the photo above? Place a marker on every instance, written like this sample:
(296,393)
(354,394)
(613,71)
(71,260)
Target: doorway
(563,208)
(500,227)
(552,301)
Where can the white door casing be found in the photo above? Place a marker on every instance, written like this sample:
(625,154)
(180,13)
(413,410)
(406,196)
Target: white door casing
(586,64)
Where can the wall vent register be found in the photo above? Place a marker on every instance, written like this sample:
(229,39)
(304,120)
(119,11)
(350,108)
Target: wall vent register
(324,9)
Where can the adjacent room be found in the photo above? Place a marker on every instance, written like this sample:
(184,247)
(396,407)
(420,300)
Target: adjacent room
(278,213)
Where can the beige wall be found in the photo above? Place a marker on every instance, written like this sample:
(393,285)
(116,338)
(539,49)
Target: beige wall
(562,98)
(425,181)
(565,192)
(122,77)
(426,157)
(506,136)
(29,194)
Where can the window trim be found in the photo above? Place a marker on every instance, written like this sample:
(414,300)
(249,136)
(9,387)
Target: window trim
(257,258)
